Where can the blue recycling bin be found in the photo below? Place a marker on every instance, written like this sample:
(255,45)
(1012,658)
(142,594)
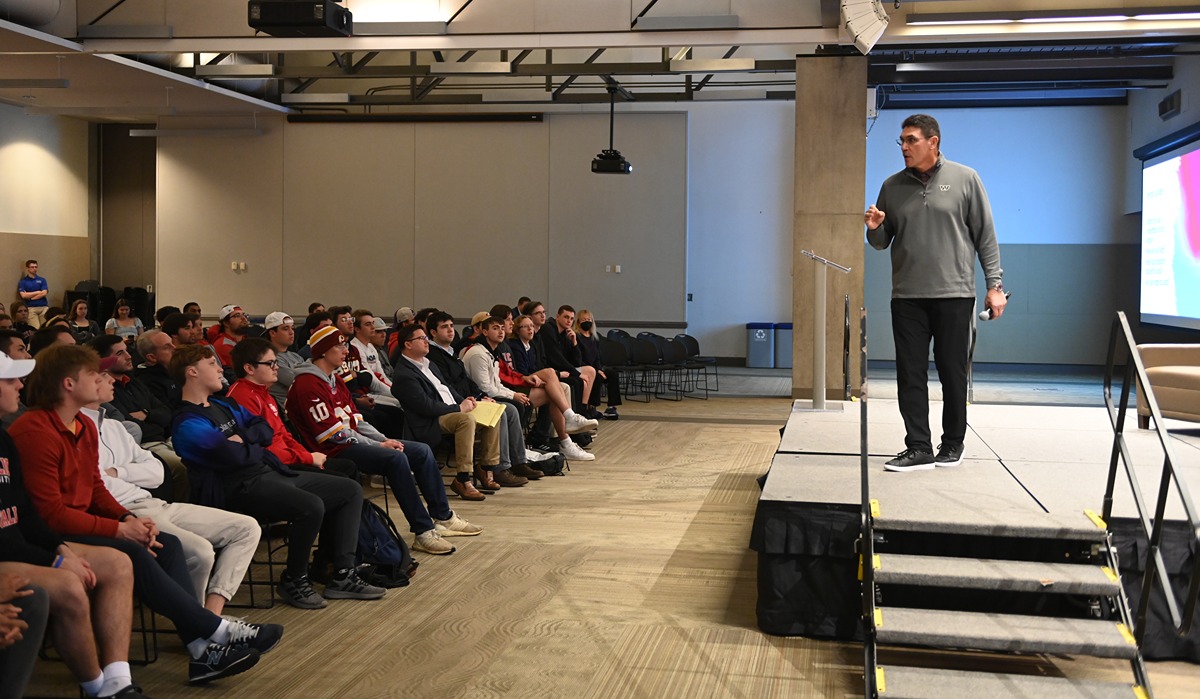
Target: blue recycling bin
(783,345)
(760,345)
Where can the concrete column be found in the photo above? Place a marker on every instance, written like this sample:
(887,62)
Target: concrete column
(831,162)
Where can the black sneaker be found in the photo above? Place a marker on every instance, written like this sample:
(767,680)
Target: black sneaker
(299,592)
(949,455)
(347,585)
(911,460)
(219,661)
(129,691)
(260,637)
(611,414)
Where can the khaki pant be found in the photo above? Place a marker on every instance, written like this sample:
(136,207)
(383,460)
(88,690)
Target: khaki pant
(464,428)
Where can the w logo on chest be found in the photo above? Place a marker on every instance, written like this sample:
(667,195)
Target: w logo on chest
(944,187)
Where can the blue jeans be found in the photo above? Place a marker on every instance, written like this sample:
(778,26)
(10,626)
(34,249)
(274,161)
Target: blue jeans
(406,471)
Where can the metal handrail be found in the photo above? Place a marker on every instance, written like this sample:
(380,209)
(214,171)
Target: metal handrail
(867,547)
(1152,527)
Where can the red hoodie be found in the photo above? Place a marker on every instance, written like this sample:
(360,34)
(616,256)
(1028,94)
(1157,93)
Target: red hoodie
(257,400)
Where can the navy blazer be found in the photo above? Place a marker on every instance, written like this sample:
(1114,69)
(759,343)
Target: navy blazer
(422,403)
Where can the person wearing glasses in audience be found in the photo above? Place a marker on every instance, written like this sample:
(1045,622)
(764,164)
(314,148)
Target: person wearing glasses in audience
(233,328)
(935,216)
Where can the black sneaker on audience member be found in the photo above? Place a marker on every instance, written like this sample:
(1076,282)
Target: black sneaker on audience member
(299,592)
(129,691)
(611,414)
(219,661)
(346,584)
(911,460)
(260,637)
(949,455)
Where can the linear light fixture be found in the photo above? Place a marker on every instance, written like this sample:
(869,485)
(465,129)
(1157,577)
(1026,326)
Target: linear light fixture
(1156,14)
(236,71)
(160,133)
(33,83)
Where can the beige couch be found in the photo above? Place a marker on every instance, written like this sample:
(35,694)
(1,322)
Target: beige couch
(1174,373)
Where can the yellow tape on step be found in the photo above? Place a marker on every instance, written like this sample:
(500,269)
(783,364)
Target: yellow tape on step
(1096,519)
(879,618)
(880,684)
(1140,692)
(1108,572)
(874,508)
(1124,631)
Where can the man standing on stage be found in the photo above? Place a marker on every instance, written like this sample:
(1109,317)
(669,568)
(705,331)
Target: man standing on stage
(936,217)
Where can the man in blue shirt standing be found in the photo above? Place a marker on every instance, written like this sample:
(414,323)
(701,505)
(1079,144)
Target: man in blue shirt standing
(33,290)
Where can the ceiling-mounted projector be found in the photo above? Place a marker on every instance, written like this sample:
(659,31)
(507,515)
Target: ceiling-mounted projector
(300,18)
(611,162)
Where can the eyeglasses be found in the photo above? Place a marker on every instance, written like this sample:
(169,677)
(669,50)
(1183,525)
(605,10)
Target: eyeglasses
(910,141)
(274,363)
(414,338)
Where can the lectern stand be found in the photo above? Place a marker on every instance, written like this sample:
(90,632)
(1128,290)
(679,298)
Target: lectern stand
(819,315)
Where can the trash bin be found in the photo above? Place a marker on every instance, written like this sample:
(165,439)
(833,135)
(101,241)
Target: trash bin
(760,345)
(783,345)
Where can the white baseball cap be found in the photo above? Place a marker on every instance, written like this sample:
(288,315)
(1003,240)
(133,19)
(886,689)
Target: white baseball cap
(14,368)
(276,319)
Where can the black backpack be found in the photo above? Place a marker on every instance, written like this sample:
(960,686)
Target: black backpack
(381,546)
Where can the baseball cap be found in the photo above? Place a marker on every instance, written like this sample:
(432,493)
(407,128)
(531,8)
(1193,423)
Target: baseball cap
(274,320)
(108,363)
(229,310)
(480,317)
(14,368)
(404,313)
(380,324)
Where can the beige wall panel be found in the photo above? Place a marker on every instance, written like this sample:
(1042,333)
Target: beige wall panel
(348,216)
(637,221)
(830,189)
(481,214)
(43,174)
(62,260)
(220,200)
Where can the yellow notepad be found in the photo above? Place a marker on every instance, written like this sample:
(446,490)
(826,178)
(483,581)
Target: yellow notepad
(487,413)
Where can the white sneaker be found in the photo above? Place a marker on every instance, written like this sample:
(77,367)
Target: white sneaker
(432,542)
(573,451)
(577,423)
(532,456)
(456,526)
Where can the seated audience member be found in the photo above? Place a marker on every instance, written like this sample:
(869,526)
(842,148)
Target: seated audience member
(193,308)
(304,331)
(257,366)
(6,322)
(60,454)
(432,408)
(83,327)
(483,369)
(217,544)
(89,588)
(12,346)
(123,323)
(192,332)
(156,349)
(280,331)
(589,351)
(545,388)
(47,337)
(20,316)
(233,326)
(313,323)
(401,317)
(382,411)
(226,449)
(363,358)
(562,353)
(517,309)
(162,313)
(322,411)
(379,339)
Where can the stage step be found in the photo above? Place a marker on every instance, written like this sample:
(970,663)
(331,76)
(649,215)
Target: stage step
(1017,524)
(1010,633)
(897,682)
(982,574)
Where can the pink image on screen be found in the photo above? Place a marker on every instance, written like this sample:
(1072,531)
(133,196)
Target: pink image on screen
(1189,180)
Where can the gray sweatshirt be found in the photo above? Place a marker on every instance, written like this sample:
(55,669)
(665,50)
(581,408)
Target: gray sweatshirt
(936,230)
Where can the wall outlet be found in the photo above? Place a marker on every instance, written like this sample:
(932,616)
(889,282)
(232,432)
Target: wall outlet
(689,297)
(149,288)
(607,268)
(617,269)
(233,265)
(242,266)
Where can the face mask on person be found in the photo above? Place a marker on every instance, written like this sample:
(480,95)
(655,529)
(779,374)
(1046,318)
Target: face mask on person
(586,325)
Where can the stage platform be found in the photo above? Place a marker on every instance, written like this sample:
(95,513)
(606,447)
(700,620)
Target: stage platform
(1024,466)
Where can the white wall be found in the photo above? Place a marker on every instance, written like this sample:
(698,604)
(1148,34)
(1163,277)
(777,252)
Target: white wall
(740,157)
(1145,125)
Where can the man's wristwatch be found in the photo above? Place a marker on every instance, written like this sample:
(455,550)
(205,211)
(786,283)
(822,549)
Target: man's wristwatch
(125,516)
(998,286)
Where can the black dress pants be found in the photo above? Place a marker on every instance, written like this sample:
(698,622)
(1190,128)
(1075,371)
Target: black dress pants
(947,322)
(16,661)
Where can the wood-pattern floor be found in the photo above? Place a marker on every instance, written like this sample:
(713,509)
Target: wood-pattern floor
(629,577)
